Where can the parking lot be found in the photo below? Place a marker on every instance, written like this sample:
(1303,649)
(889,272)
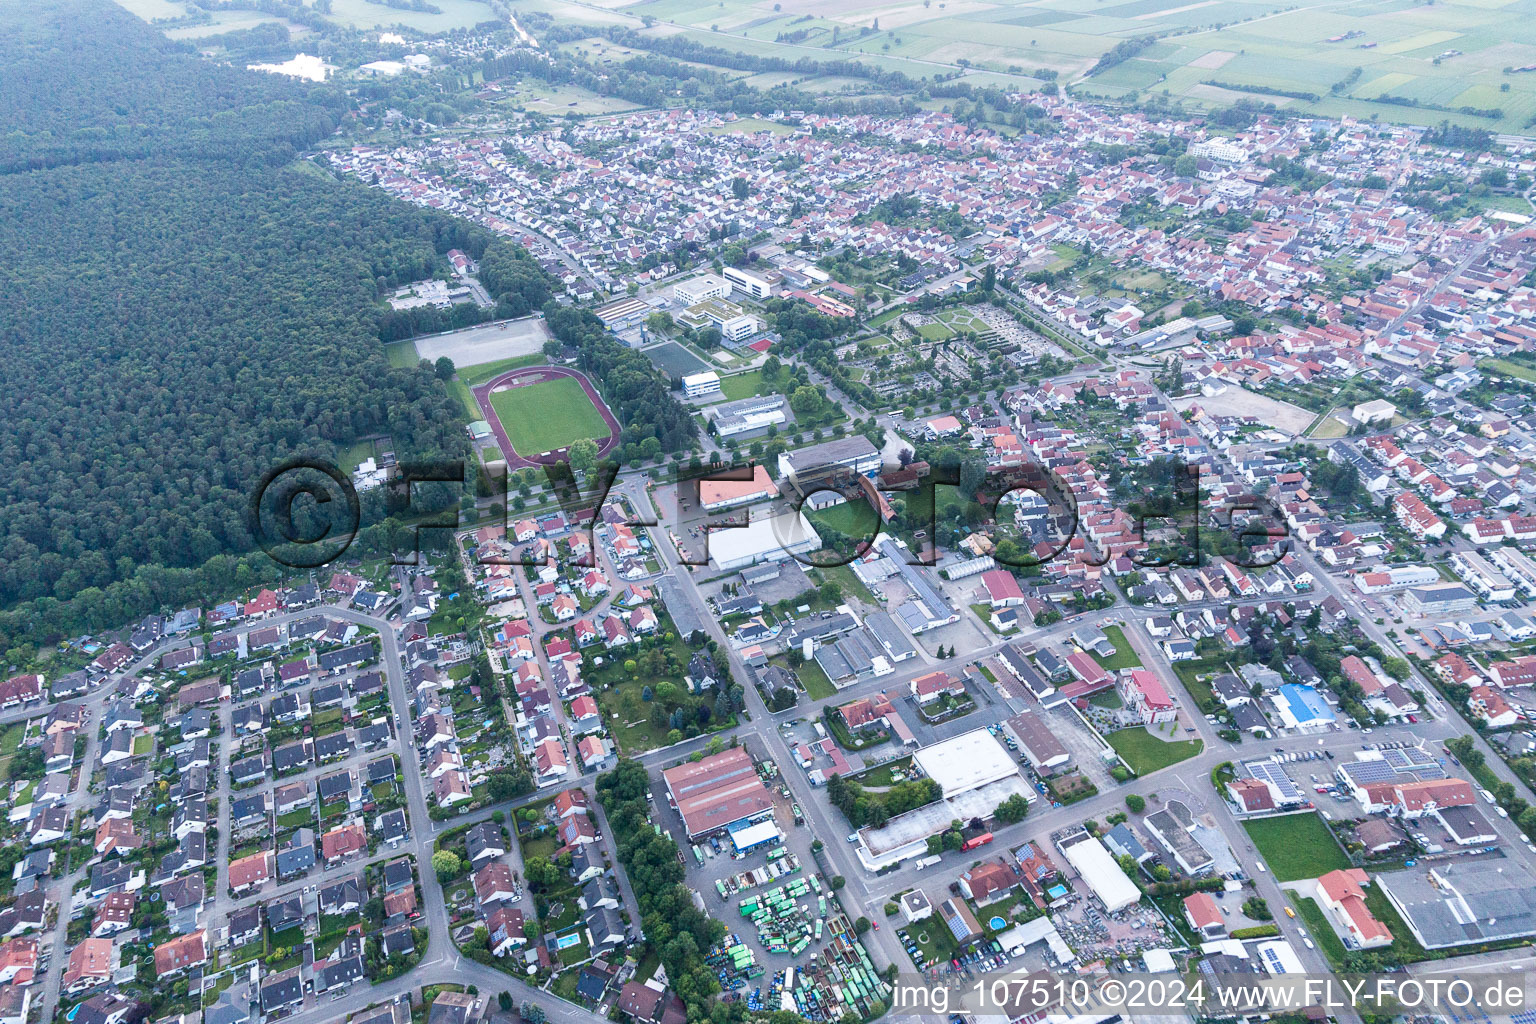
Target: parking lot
(719,865)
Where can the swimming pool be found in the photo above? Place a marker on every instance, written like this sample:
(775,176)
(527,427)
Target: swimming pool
(996,924)
(1056,892)
(567,941)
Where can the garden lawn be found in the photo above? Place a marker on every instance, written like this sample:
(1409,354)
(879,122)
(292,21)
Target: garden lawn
(814,679)
(546,416)
(1146,753)
(1508,368)
(1296,846)
(1124,656)
(880,775)
(745,385)
(854,518)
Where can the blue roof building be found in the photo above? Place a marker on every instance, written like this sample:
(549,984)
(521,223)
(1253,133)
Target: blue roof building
(1302,707)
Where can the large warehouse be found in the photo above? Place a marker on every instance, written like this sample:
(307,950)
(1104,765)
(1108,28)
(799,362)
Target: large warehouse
(1036,738)
(1099,870)
(975,774)
(1460,902)
(717,792)
(969,761)
(763,540)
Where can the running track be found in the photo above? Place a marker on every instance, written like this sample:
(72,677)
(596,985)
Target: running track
(539,375)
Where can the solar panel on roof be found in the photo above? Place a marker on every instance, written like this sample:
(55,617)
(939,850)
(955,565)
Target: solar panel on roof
(1365,772)
(1271,772)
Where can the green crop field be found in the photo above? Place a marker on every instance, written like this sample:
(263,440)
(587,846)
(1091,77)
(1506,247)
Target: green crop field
(543,417)
(1205,54)
(1296,846)
(1429,60)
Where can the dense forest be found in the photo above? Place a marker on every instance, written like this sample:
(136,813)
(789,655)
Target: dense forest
(84,80)
(185,308)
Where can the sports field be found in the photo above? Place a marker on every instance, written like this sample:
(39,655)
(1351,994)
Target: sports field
(546,416)
(486,343)
(674,360)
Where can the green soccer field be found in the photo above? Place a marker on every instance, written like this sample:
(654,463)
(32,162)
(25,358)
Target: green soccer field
(543,417)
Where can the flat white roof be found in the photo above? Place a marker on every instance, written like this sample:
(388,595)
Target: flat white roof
(773,537)
(703,377)
(1101,871)
(752,835)
(1041,929)
(966,762)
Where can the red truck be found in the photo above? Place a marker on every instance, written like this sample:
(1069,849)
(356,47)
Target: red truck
(981,840)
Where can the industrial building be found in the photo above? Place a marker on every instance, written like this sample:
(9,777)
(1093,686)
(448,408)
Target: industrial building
(718,792)
(852,657)
(1099,871)
(969,761)
(716,495)
(925,608)
(974,773)
(1035,737)
(854,453)
(763,540)
(1464,901)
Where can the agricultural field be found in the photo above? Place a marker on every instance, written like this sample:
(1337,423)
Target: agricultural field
(1394,60)
(1429,60)
(361,14)
(543,417)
